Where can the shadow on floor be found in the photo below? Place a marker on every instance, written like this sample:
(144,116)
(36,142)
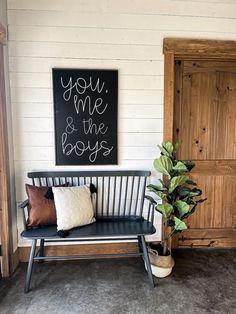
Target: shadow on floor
(203,281)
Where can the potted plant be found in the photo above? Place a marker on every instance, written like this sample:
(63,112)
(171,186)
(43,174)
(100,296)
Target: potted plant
(180,197)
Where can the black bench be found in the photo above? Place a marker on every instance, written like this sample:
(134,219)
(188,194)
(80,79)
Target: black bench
(118,208)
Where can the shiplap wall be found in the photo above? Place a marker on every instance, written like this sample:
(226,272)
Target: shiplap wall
(123,35)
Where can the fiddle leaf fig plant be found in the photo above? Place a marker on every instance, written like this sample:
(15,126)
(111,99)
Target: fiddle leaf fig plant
(179,194)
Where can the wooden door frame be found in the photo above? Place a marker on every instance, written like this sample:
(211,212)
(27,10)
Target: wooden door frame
(183,49)
(179,48)
(5,201)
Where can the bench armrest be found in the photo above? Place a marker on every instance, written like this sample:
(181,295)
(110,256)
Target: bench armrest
(151,200)
(23,205)
(151,208)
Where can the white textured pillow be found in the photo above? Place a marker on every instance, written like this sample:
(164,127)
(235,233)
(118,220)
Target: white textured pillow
(73,206)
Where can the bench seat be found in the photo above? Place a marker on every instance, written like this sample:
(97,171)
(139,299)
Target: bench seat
(101,228)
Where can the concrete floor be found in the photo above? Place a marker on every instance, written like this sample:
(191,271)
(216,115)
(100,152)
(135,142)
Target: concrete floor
(203,281)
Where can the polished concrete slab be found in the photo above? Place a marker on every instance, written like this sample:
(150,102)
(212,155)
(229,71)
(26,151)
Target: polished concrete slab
(203,281)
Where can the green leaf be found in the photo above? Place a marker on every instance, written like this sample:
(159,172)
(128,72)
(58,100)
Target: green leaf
(158,190)
(195,192)
(190,182)
(190,212)
(179,224)
(183,191)
(177,146)
(186,193)
(177,181)
(163,151)
(155,188)
(163,165)
(162,196)
(180,166)
(189,201)
(189,165)
(162,182)
(165,209)
(168,147)
(183,207)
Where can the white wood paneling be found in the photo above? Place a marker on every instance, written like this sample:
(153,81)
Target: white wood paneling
(126,67)
(212,8)
(141,125)
(34,153)
(34,139)
(34,110)
(47,153)
(45,95)
(40,110)
(104,34)
(42,125)
(84,50)
(121,21)
(84,35)
(46,139)
(141,111)
(22,166)
(44,80)
(139,139)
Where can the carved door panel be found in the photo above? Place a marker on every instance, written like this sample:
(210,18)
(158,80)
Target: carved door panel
(205,122)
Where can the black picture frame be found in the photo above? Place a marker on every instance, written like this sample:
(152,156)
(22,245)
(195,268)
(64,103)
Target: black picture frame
(85,116)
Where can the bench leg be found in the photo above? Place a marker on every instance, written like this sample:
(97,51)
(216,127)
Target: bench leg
(41,250)
(146,260)
(30,266)
(140,244)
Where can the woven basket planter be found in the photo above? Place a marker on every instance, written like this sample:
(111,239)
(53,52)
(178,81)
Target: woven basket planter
(161,265)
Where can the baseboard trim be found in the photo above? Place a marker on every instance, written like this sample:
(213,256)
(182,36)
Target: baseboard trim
(84,249)
(15,260)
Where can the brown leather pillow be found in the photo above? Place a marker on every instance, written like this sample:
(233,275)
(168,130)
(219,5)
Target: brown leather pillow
(41,210)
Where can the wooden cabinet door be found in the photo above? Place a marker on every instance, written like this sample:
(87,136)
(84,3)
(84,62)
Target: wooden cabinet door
(205,122)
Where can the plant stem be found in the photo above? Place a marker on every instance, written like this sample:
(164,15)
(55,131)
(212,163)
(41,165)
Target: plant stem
(172,232)
(165,242)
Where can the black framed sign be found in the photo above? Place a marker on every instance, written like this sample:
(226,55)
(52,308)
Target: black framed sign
(85,113)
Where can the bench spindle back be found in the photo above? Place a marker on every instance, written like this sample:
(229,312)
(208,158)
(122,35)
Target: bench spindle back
(120,194)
